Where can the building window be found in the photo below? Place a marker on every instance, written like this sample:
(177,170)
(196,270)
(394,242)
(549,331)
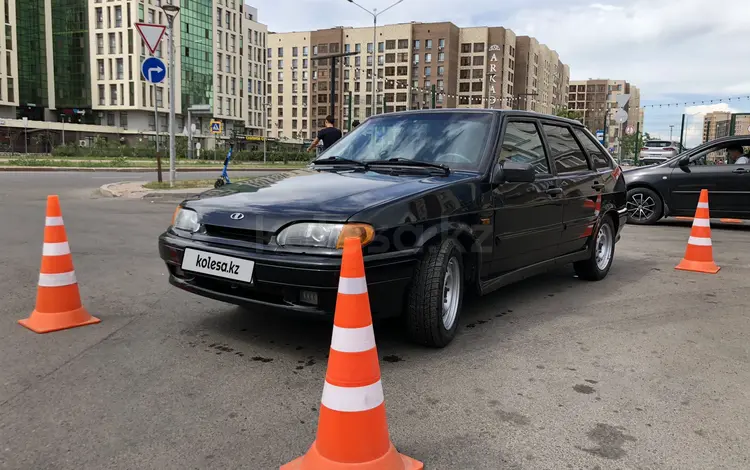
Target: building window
(102,99)
(120,69)
(112,43)
(478,47)
(113,94)
(118,17)
(428,44)
(124,120)
(416,44)
(100,67)
(99,18)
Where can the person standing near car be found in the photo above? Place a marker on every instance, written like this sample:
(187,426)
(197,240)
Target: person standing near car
(328,135)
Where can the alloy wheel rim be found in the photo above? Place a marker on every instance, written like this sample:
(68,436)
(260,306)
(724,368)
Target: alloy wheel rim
(641,207)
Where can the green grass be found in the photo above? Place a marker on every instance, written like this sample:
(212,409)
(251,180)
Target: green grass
(121,162)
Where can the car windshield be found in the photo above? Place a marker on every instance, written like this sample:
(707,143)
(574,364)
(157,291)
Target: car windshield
(456,140)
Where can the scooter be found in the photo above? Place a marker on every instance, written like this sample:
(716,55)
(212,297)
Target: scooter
(224,178)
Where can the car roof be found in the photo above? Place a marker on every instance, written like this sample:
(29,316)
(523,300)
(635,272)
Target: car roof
(502,112)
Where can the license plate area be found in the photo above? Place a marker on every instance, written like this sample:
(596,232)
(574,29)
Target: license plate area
(227,267)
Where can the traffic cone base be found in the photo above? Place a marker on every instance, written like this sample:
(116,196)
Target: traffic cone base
(40,322)
(708,267)
(392,460)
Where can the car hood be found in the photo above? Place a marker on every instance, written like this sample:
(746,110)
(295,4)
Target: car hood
(267,203)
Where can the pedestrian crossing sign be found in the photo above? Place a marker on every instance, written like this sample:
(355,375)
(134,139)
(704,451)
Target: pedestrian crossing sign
(216,127)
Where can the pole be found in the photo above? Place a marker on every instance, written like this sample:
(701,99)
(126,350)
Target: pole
(606,109)
(671,126)
(682,130)
(63,129)
(350,112)
(25,135)
(156,118)
(171,102)
(637,148)
(265,129)
(432,91)
(333,87)
(190,134)
(374,48)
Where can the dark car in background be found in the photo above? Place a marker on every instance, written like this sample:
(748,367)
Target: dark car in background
(672,188)
(443,201)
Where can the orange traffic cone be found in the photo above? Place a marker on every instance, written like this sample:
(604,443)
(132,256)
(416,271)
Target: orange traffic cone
(58,302)
(699,255)
(352,429)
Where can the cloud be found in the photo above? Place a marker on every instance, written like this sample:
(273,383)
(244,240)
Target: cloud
(667,47)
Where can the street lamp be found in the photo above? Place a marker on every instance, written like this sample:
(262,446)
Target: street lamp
(375,13)
(266,108)
(171,12)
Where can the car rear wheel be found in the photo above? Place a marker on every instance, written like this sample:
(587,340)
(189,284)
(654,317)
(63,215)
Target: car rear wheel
(602,254)
(644,205)
(435,297)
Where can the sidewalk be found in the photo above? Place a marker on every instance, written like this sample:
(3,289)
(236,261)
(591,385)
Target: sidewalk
(135,190)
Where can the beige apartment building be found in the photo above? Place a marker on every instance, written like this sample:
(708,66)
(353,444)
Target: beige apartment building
(412,64)
(719,124)
(256,72)
(595,99)
(8,60)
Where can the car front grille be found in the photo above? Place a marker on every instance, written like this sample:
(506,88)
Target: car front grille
(254,236)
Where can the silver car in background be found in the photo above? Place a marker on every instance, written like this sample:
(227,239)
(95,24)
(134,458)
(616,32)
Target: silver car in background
(658,151)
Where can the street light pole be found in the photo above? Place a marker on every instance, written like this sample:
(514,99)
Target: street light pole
(171,11)
(266,105)
(375,15)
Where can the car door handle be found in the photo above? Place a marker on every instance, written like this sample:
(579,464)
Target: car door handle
(740,170)
(554,191)
(597,186)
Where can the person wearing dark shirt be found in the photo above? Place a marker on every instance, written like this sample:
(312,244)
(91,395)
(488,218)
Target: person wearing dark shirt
(328,135)
(355,123)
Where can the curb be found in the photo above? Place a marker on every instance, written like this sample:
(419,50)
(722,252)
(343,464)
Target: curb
(135,170)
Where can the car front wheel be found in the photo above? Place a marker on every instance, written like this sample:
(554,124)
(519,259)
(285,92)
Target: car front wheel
(435,297)
(602,255)
(644,205)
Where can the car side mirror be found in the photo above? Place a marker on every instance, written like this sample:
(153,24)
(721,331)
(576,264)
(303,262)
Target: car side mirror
(513,172)
(684,161)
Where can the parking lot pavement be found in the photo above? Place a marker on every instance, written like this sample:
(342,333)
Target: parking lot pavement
(646,369)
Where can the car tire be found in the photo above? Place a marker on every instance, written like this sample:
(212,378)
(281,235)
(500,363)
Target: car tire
(435,297)
(645,206)
(602,253)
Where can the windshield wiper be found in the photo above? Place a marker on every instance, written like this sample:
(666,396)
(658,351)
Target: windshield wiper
(406,162)
(334,159)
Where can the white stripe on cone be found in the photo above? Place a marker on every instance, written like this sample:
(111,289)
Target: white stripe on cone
(53,221)
(352,399)
(699,241)
(56,249)
(352,285)
(702,205)
(701,223)
(57,280)
(352,340)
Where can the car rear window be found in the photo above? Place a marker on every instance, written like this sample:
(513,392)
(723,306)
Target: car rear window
(598,157)
(658,143)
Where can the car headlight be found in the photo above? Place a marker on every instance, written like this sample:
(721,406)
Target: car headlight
(186,219)
(324,235)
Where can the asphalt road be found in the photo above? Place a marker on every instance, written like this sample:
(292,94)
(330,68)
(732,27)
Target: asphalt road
(647,369)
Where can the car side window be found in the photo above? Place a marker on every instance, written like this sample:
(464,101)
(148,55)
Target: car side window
(523,144)
(598,157)
(566,153)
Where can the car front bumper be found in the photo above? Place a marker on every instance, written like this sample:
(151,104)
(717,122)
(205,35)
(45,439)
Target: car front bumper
(284,280)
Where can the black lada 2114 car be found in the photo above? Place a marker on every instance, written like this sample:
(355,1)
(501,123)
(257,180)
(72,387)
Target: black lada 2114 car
(443,201)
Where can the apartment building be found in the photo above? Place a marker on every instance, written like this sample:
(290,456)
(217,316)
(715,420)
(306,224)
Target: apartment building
(410,66)
(256,73)
(79,63)
(724,123)
(595,99)
(541,80)
(8,59)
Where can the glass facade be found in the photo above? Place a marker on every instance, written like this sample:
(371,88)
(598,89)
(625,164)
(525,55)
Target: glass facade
(196,30)
(32,63)
(70,49)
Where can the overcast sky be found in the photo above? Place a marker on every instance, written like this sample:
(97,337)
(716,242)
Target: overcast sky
(674,50)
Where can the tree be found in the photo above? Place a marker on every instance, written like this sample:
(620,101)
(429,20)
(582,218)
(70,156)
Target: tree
(570,114)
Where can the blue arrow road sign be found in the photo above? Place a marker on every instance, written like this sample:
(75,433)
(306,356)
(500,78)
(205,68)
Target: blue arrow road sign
(154,70)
